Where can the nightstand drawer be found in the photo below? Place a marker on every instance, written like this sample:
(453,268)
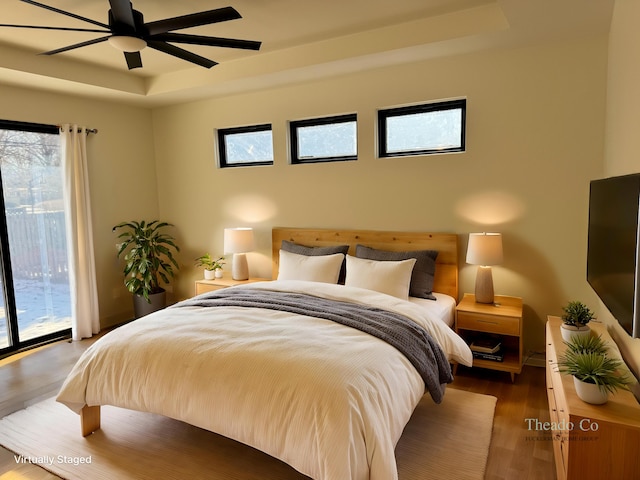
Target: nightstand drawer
(488,323)
(204,287)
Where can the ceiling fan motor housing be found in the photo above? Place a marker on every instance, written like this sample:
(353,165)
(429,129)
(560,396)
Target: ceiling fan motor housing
(122,29)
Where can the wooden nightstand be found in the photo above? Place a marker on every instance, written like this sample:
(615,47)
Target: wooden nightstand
(503,318)
(203,286)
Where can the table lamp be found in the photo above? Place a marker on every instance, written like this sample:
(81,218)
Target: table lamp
(239,241)
(484,250)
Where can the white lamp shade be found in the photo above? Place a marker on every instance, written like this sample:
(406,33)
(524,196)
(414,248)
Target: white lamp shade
(126,43)
(238,240)
(484,249)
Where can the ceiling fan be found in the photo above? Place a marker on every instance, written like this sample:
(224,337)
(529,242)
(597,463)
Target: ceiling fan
(128,32)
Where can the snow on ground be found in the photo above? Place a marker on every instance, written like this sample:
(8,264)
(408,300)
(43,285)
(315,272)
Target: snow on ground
(41,309)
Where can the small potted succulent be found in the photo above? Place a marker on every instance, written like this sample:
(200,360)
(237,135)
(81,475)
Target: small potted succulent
(587,344)
(595,373)
(212,267)
(575,318)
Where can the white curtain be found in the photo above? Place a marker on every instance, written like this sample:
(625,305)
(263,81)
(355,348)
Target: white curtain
(82,270)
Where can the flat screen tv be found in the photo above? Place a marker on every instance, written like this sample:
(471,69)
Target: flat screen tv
(612,254)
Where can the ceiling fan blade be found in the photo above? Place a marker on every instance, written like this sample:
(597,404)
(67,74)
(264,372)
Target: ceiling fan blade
(68,14)
(134,60)
(76,45)
(55,28)
(122,12)
(208,41)
(181,53)
(192,20)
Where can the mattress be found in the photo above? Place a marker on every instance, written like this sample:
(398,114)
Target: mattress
(443,307)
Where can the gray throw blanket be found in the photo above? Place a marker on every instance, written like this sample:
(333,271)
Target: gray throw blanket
(412,340)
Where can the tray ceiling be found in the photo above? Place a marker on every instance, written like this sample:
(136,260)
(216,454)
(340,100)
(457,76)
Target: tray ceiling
(301,40)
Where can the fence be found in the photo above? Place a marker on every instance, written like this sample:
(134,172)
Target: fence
(37,244)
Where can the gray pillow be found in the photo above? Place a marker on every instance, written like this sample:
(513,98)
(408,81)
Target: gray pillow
(423,271)
(292,247)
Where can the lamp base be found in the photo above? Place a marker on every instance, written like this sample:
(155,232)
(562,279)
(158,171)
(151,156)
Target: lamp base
(484,285)
(239,267)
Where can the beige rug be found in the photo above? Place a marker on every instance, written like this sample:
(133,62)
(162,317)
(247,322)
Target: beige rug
(450,440)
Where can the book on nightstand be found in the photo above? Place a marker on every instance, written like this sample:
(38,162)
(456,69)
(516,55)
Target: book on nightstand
(486,344)
(498,356)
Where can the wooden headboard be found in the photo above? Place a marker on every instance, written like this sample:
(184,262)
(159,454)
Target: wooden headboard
(446,278)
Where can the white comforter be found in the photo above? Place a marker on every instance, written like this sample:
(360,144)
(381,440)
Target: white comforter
(327,399)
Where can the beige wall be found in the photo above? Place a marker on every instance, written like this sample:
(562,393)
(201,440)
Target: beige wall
(535,137)
(121,170)
(623,120)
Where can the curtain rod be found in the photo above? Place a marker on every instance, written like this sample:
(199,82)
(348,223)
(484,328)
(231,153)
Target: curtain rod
(88,130)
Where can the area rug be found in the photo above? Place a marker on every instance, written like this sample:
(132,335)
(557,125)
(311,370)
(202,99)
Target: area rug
(450,440)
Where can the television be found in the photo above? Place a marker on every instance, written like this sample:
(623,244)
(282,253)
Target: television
(612,252)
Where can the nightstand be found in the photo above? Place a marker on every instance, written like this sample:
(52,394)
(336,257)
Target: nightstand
(203,286)
(502,318)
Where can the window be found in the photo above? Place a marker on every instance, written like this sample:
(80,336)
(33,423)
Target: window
(245,146)
(328,139)
(422,129)
(35,303)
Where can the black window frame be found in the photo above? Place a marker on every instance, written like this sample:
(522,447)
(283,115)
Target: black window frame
(8,287)
(384,114)
(222,133)
(294,125)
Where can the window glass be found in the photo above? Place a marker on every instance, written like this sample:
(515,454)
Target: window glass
(325,139)
(246,146)
(35,274)
(422,129)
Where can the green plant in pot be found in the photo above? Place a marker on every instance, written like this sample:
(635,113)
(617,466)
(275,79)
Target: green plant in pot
(575,318)
(595,374)
(212,267)
(587,344)
(149,259)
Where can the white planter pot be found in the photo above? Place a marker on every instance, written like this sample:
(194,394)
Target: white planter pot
(219,273)
(569,331)
(209,274)
(590,392)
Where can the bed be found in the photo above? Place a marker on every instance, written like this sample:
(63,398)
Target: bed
(251,363)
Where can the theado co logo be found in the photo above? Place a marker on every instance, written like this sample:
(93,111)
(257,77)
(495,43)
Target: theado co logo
(584,425)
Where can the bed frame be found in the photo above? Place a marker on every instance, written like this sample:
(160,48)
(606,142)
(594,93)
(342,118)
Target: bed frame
(446,277)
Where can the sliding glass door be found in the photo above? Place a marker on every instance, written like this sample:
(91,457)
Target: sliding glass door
(36,304)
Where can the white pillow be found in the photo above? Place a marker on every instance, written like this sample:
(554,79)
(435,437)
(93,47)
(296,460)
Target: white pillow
(390,277)
(316,268)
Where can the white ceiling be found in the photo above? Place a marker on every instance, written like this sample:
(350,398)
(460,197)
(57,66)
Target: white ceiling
(302,39)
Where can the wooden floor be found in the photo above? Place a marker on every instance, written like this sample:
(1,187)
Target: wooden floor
(515,453)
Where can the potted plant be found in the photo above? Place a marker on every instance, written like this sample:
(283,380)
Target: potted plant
(148,260)
(595,375)
(212,268)
(587,344)
(575,318)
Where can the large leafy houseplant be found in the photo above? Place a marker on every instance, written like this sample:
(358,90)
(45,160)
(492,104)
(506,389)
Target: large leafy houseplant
(149,256)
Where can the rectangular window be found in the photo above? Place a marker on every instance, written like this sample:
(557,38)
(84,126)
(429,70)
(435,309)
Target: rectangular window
(328,139)
(36,302)
(422,129)
(245,146)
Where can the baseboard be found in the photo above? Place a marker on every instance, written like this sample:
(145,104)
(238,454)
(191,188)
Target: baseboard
(536,359)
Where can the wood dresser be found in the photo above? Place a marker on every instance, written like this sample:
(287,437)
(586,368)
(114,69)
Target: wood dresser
(589,441)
